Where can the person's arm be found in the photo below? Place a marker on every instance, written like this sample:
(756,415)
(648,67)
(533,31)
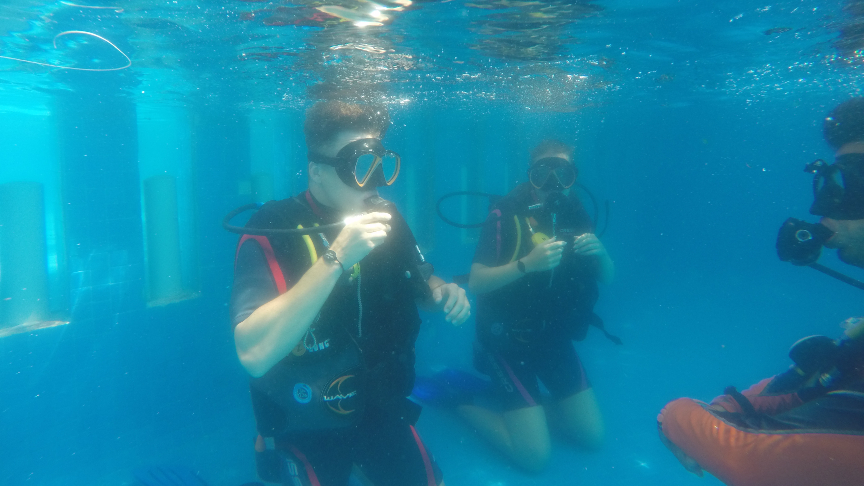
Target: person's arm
(545,256)
(456,304)
(589,245)
(275,328)
(272,330)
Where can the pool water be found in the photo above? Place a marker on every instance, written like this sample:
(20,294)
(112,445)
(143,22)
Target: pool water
(693,119)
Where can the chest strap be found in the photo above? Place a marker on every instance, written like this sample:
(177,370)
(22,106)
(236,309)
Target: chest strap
(270,255)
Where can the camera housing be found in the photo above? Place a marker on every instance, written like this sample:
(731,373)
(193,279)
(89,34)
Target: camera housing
(800,242)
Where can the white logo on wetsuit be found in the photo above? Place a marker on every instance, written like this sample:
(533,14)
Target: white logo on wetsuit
(315,345)
(293,471)
(502,377)
(302,393)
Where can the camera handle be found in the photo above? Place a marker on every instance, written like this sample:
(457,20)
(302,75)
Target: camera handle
(839,276)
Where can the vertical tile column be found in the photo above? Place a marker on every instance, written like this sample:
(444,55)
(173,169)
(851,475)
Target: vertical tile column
(164,159)
(473,175)
(417,175)
(24,282)
(220,163)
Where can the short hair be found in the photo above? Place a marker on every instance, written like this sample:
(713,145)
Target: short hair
(550,146)
(326,119)
(845,123)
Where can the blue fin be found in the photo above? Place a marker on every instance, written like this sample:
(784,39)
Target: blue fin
(168,476)
(449,388)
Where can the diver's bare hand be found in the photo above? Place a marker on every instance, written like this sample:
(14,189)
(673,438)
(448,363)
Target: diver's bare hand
(588,245)
(545,256)
(456,305)
(359,236)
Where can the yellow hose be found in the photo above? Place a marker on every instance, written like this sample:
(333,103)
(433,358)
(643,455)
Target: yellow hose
(518,238)
(313,255)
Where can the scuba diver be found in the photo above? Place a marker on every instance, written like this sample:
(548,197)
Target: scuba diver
(535,271)
(804,426)
(324,309)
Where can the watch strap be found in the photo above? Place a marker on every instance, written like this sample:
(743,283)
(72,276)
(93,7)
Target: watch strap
(330,256)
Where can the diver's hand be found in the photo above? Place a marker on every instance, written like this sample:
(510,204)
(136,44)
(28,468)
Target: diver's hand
(545,256)
(359,236)
(588,245)
(456,304)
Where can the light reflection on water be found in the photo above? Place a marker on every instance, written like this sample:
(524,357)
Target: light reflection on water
(547,56)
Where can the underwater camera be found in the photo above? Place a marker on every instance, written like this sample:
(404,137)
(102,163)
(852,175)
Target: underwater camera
(800,242)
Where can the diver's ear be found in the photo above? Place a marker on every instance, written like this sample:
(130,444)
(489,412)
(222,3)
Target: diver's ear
(314,170)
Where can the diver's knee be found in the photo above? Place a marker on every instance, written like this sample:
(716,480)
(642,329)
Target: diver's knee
(535,460)
(583,422)
(590,436)
(591,439)
(533,455)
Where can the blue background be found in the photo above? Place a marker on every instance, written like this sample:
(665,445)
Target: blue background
(699,180)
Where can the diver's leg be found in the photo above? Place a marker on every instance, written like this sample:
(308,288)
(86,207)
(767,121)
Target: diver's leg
(518,428)
(578,416)
(316,458)
(391,452)
(573,410)
(521,434)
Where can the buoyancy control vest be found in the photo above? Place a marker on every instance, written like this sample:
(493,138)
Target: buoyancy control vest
(545,304)
(326,381)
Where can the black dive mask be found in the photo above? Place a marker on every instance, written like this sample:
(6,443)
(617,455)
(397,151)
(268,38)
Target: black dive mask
(541,172)
(838,189)
(363,163)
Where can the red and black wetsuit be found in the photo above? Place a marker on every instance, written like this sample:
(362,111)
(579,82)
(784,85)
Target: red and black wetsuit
(372,311)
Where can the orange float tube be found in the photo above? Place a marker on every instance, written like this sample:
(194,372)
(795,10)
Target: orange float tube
(750,458)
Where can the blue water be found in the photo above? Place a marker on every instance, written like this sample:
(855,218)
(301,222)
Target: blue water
(694,119)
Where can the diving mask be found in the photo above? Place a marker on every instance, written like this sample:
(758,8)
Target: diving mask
(363,163)
(838,189)
(541,172)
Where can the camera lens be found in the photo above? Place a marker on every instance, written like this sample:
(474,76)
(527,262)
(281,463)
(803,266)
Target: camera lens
(803,235)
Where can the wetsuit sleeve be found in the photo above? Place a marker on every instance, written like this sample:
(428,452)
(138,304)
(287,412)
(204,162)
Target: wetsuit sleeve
(762,400)
(253,282)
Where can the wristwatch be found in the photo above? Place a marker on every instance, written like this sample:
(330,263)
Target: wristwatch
(520,266)
(330,257)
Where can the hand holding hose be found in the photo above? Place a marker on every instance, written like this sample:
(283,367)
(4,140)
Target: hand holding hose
(545,256)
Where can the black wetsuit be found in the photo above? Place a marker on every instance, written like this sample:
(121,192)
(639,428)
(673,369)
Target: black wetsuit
(375,312)
(525,328)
